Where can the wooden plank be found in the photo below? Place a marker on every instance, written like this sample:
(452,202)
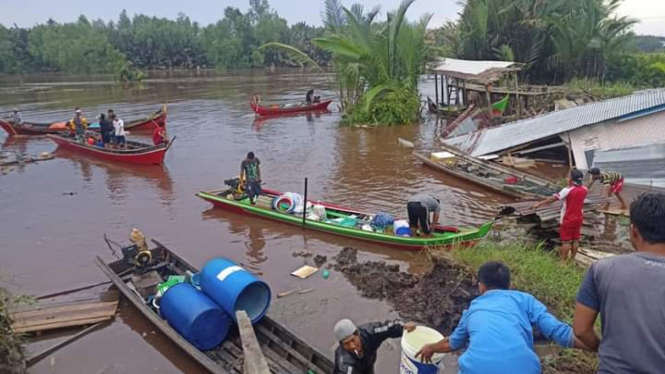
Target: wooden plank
(43,354)
(615,212)
(53,315)
(255,362)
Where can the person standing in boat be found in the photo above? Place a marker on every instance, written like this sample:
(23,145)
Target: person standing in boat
(119,127)
(419,208)
(17,118)
(159,134)
(250,172)
(309,97)
(78,125)
(356,353)
(105,130)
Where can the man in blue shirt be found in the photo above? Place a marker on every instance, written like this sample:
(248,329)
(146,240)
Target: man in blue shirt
(496,329)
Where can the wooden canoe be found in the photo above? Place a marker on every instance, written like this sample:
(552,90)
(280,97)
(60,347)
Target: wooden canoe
(465,236)
(284,351)
(491,175)
(30,128)
(277,110)
(135,153)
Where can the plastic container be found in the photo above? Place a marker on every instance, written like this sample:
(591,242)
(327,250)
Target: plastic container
(411,343)
(194,316)
(234,288)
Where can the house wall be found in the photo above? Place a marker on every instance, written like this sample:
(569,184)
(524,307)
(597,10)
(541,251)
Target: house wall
(641,131)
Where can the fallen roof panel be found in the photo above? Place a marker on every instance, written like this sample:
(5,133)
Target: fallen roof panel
(525,131)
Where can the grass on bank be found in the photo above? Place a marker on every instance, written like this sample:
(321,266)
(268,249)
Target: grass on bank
(12,355)
(540,273)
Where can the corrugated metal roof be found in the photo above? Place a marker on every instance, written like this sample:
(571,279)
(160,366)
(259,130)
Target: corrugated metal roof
(639,165)
(517,133)
(480,71)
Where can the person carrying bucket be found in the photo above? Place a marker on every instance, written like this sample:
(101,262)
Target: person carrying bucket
(356,353)
(496,328)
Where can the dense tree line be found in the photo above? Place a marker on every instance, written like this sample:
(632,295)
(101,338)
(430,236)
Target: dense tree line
(558,40)
(156,43)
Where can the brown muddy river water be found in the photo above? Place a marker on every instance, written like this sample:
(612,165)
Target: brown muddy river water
(54,214)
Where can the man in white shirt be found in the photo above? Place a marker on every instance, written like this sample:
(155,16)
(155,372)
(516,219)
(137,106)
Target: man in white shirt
(119,128)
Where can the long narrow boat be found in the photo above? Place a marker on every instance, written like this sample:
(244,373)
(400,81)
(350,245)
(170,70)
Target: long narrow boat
(449,236)
(134,153)
(284,351)
(31,128)
(501,179)
(278,110)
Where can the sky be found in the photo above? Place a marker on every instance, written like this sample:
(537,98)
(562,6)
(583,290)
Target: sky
(651,13)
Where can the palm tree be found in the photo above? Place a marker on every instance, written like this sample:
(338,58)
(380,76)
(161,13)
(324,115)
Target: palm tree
(377,64)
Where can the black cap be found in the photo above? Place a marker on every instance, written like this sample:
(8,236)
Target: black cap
(594,171)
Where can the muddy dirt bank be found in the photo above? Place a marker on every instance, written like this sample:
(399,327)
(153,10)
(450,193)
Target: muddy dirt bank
(437,298)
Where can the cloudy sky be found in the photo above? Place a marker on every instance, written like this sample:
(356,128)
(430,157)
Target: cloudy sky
(651,13)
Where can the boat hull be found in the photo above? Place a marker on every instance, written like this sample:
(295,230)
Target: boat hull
(145,124)
(148,155)
(465,238)
(266,111)
(284,351)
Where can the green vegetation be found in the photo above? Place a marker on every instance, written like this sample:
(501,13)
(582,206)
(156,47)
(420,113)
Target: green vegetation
(376,64)
(142,42)
(557,40)
(649,43)
(12,356)
(541,274)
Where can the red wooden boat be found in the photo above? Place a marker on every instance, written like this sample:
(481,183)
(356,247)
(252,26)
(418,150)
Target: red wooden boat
(29,128)
(275,110)
(135,153)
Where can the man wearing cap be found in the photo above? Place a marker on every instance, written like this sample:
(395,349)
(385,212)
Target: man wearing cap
(419,208)
(17,119)
(572,214)
(356,353)
(78,124)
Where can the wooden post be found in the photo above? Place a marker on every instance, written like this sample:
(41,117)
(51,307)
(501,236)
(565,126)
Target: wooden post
(444,82)
(570,154)
(436,90)
(517,97)
(488,97)
(255,362)
(304,209)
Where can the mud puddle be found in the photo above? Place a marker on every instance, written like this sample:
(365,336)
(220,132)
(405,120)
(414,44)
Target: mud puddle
(436,298)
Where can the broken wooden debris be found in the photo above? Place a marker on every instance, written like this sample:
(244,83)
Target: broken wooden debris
(48,315)
(305,271)
(586,257)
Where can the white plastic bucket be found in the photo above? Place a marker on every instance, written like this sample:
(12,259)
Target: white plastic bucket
(411,343)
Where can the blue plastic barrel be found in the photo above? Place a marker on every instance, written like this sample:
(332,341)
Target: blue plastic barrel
(194,316)
(234,288)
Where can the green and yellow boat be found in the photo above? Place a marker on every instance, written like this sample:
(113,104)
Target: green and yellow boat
(344,222)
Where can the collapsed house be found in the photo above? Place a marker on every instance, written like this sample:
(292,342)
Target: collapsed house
(626,134)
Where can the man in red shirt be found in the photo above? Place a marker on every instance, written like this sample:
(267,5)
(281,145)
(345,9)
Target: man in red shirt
(159,135)
(572,213)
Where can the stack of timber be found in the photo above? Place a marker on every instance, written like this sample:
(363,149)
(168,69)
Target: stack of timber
(499,178)
(49,315)
(543,222)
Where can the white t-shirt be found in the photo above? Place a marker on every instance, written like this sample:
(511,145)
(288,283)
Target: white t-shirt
(119,126)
